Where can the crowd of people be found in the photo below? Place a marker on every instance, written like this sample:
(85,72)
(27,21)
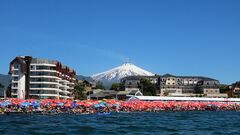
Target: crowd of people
(56,106)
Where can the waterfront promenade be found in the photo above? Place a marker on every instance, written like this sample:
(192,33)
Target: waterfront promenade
(56,106)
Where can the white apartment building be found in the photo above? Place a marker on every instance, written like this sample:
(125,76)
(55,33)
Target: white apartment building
(41,78)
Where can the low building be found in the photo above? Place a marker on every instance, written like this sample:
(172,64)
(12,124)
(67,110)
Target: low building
(171,85)
(112,94)
(41,78)
(235,89)
(134,81)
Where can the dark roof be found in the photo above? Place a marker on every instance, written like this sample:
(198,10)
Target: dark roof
(104,93)
(43,61)
(168,75)
(138,77)
(199,77)
(21,60)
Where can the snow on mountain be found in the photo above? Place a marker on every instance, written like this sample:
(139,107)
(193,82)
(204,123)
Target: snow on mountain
(116,74)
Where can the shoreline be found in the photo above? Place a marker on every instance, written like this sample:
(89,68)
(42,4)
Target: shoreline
(106,107)
(112,113)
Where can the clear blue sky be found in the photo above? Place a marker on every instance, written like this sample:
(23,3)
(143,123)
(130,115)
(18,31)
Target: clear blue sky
(182,37)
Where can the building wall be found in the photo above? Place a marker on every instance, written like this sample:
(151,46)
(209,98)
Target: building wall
(187,85)
(18,84)
(46,81)
(211,91)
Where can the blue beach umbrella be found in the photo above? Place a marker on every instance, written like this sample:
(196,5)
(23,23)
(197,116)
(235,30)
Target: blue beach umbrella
(5,103)
(60,104)
(96,106)
(25,104)
(74,105)
(34,104)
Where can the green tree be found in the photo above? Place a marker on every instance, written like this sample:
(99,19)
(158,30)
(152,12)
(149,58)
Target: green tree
(79,91)
(148,88)
(99,85)
(9,91)
(224,88)
(117,86)
(1,88)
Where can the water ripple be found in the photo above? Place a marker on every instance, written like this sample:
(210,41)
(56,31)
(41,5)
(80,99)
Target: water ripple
(170,123)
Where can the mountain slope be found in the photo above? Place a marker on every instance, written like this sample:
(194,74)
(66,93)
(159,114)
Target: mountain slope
(87,78)
(5,80)
(116,74)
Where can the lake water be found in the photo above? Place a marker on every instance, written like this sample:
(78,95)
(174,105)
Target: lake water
(173,123)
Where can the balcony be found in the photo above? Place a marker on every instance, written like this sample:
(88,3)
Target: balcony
(43,82)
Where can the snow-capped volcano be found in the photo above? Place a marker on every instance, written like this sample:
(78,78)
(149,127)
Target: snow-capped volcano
(116,74)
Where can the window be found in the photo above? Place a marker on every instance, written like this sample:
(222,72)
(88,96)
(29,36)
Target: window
(15,78)
(15,84)
(16,66)
(33,67)
(42,67)
(14,91)
(15,72)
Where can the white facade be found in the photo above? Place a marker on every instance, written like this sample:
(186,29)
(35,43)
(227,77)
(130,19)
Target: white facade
(18,82)
(47,79)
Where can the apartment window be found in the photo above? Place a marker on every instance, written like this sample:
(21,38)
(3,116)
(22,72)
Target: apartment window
(15,78)
(42,92)
(42,67)
(15,72)
(43,86)
(33,67)
(15,84)
(43,74)
(16,66)
(53,68)
(14,91)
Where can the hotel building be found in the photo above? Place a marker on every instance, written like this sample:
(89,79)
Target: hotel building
(189,85)
(41,78)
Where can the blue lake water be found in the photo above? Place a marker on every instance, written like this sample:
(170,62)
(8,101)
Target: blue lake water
(172,123)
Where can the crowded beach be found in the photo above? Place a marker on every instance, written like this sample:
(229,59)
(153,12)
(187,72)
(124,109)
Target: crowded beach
(58,106)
